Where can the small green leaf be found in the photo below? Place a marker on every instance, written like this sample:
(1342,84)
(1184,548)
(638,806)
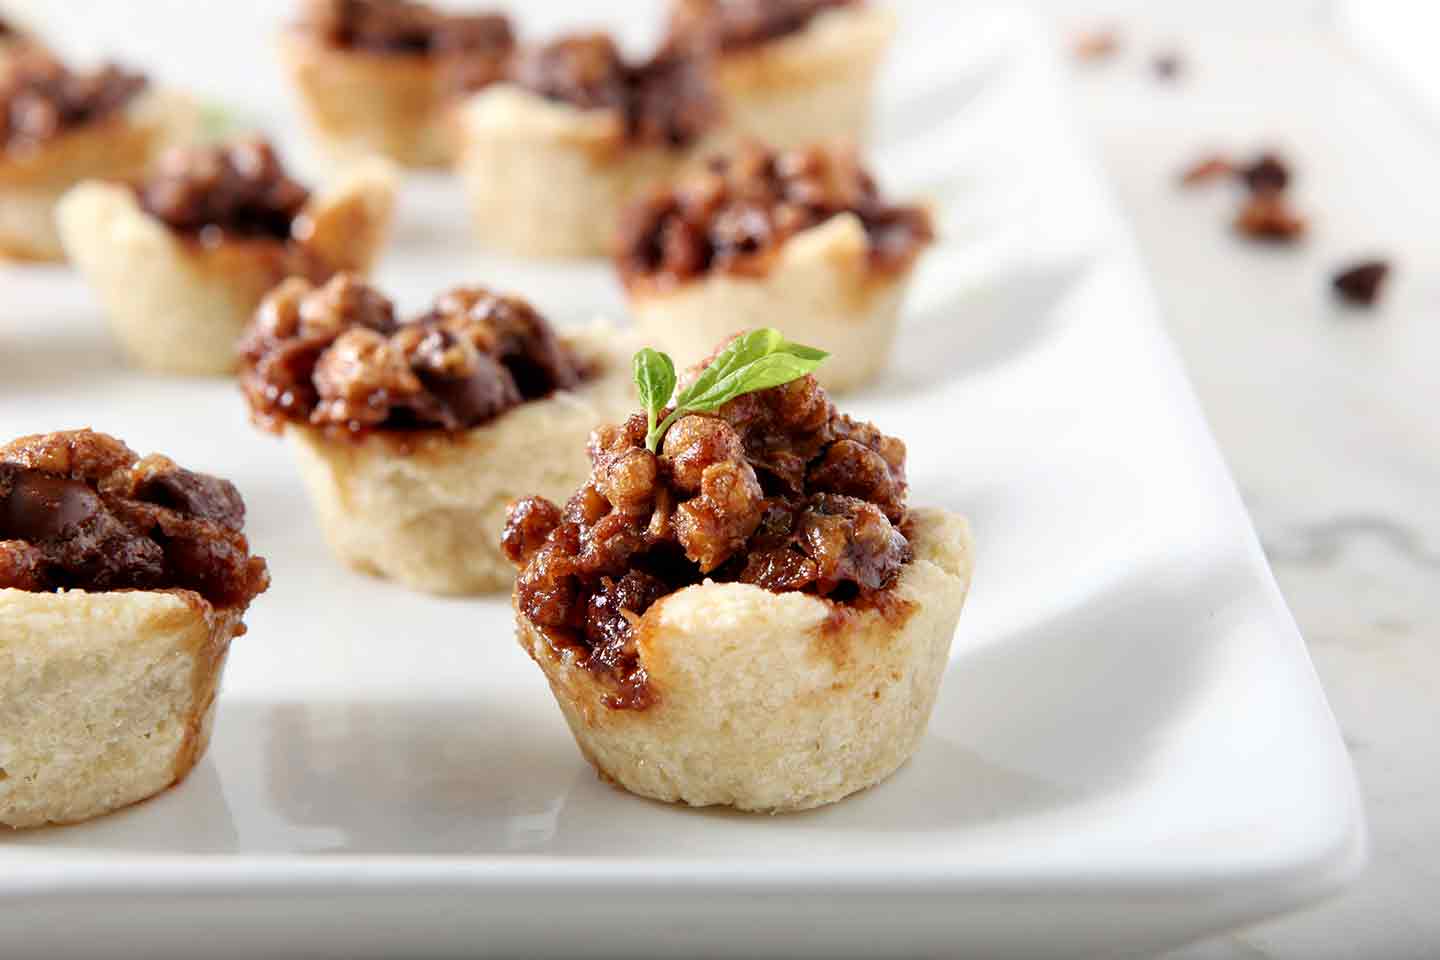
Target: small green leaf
(655,380)
(762,374)
(802,351)
(754,361)
(746,348)
(655,376)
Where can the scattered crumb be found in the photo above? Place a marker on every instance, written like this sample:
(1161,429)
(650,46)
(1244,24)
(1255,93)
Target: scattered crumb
(1360,283)
(1265,212)
(1267,172)
(1095,45)
(1208,168)
(1268,217)
(1167,65)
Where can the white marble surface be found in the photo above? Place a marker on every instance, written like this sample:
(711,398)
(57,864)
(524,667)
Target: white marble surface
(1328,417)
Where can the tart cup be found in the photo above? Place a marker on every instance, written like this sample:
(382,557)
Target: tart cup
(821,282)
(360,103)
(812,86)
(106,699)
(548,179)
(178,306)
(118,147)
(773,702)
(426,508)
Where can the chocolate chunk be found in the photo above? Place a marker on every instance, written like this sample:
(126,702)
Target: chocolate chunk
(1266,173)
(1360,283)
(195,495)
(41,508)
(481,393)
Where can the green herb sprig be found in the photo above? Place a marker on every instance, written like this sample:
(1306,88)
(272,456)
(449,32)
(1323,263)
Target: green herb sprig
(754,361)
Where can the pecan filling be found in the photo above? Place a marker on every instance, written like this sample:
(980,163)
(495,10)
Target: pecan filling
(41,98)
(730,25)
(240,190)
(472,49)
(336,357)
(667,100)
(778,490)
(736,216)
(80,511)
(403,27)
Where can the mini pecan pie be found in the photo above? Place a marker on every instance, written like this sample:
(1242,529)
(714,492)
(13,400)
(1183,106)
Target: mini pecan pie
(750,616)
(59,126)
(412,436)
(379,76)
(801,235)
(181,260)
(122,582)
(550,157)
(792,72)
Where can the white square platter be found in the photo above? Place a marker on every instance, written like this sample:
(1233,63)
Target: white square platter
(1131,748)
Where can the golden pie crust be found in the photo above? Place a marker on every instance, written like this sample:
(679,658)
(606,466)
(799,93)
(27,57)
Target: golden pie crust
(106,699)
